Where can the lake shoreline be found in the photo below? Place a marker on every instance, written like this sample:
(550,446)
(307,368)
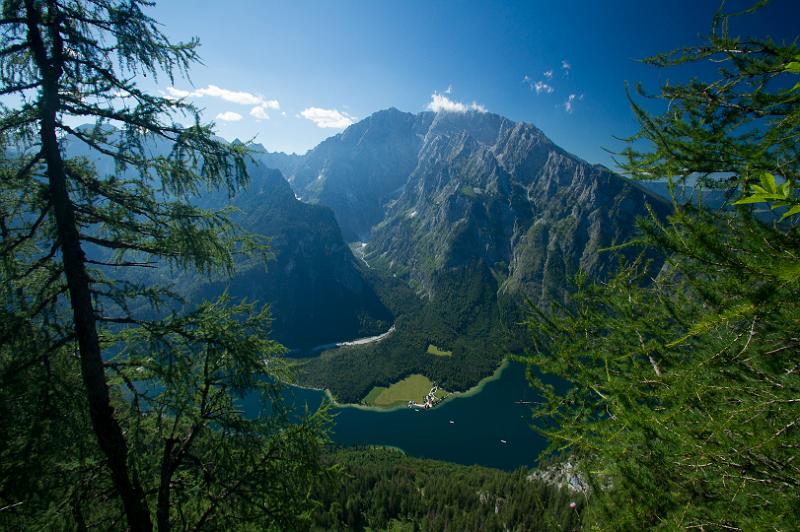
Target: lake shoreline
(317,350)
(490,425)
(498,372)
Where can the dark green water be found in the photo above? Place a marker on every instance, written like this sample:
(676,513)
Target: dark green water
(480,422)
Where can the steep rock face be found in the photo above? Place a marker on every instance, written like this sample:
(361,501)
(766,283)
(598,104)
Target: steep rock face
(314,284)
(358,171)
(287,163)
(487,191)
(491,212)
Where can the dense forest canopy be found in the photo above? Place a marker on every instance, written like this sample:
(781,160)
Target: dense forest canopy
(381,489)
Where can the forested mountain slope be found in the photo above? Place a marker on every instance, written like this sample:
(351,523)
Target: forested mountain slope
(475,213)
(314,285)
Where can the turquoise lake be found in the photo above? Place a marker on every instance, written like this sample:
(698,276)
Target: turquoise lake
(479,424)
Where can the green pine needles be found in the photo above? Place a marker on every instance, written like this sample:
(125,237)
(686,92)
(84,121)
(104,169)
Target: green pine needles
(683,396)
(116,411)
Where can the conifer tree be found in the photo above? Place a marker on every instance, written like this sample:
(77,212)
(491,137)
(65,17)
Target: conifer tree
(176,448)
(681,405)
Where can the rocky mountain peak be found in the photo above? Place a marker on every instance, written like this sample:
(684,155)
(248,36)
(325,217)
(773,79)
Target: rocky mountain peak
(432,191)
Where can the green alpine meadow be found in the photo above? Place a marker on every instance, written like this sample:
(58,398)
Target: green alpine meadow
(407,266)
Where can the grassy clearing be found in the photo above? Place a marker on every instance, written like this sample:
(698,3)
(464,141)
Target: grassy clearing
(438,351)
(412,388)
(440,393)
(374,394)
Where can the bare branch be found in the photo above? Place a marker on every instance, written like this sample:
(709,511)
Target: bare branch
(147,264)
(115,244)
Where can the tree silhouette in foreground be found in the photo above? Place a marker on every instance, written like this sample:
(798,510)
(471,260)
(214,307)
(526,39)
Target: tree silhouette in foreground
(88,323)
(683,406)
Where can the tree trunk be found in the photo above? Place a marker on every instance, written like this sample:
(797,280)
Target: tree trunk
(162,510)
(107,430)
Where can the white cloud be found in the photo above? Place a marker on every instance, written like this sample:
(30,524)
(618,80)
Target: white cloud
(569,105)
(229,116)
(327,118)
(548,74)
(440,102)
(569,102)
(565,66)
(477,107)
(449,89)
(541,86)
(240,97)
(538,86)
(174,94)
(259,112)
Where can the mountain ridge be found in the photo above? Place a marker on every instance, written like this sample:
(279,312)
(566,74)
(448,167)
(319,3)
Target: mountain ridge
(314,285)
(494,155)
(466,216)
(476,214)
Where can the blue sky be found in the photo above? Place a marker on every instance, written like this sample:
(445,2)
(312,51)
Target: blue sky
(312,67)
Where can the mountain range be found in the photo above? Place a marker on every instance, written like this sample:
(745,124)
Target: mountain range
(317,290)
(315,287)
(464,216)
(443,224)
